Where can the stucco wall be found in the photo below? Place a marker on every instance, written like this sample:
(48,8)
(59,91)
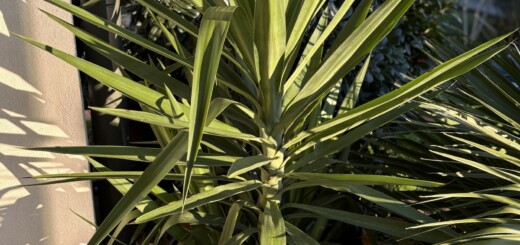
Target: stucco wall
(40,105)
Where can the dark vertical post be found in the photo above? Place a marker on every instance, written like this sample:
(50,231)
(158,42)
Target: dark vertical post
(106,129)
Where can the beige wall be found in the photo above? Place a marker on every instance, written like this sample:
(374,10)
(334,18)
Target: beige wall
(40,105)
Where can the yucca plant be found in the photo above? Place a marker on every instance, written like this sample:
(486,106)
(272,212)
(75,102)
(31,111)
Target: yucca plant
(242,130)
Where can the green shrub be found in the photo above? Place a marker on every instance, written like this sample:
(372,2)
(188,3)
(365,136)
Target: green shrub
(468,136)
